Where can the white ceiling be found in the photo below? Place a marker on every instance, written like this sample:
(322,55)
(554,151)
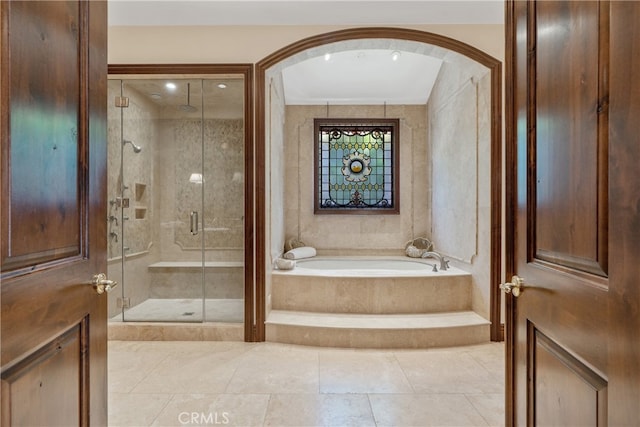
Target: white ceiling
(359,77)
(304,12)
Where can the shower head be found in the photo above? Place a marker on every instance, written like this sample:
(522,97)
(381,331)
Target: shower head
(136,148)
(188,108)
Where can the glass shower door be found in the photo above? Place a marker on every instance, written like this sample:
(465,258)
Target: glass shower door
(223,157)
(176,198)
(162,200)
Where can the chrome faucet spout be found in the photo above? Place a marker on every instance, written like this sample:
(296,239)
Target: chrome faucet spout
(444,263)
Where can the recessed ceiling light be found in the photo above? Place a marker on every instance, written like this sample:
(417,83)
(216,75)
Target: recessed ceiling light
(395,55)
(222,85)
(327,56)
(170,86)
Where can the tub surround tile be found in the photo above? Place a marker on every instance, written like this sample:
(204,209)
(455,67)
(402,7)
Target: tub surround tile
(315,333)
(349,308)
(370,295)
(322,231)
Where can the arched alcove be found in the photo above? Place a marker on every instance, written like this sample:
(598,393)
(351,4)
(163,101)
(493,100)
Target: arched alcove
(473,61)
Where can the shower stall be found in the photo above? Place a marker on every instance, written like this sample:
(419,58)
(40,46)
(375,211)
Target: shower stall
(176,221)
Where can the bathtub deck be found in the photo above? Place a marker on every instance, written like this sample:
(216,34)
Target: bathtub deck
(374,309)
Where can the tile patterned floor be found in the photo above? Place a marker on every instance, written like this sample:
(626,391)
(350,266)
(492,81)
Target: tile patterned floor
(155,383)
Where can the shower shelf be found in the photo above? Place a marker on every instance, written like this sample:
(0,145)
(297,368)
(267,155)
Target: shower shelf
(140,190)
(141,213)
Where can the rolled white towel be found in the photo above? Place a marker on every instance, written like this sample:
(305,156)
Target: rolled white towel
(301,252)
(285,264)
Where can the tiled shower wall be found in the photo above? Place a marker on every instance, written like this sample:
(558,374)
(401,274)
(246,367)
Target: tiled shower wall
(178,156)
(138,124)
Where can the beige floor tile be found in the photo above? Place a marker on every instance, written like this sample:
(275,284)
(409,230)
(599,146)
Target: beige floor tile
(276,369)
(490,406)
(319,410)
(277,384)
(128,368)
(447,371)
(135,410)
(490,356)
(424,410)
(178,347)
(198,372)
(214,409)
(361,372)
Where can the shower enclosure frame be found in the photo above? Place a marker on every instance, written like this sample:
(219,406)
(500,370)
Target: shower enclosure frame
(207,71)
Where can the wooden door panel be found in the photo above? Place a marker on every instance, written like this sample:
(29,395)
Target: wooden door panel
(565,389)
(568,94)
(34,385)
(43,213)
(53,323)
(560,322)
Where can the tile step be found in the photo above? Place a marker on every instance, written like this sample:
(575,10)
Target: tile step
(377,331)
(376,321)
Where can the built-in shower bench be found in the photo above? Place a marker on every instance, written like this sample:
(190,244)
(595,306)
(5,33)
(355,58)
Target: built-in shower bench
(195,264)
(183,279)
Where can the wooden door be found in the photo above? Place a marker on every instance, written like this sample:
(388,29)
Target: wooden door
(573,142)
(53,91)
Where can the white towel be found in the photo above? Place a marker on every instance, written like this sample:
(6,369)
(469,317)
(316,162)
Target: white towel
(301,252)
(285,264)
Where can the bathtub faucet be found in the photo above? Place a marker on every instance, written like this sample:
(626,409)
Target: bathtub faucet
(444,263)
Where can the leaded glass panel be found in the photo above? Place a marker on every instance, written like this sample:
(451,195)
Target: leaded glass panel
(356,166)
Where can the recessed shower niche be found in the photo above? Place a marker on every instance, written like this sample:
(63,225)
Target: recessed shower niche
(176,159)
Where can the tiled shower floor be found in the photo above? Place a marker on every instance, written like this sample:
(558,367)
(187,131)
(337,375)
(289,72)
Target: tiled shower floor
(185,310)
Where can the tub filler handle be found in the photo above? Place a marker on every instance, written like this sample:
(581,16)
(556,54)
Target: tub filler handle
(194,222)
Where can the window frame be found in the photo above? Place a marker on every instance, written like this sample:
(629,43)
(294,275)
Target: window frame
(395,167)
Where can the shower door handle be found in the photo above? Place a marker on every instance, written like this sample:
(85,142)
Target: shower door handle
(194,222)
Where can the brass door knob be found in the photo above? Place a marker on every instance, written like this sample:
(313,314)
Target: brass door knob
(101,284)
(514,287)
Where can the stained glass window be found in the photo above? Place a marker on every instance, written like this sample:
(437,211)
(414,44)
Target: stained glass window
(356,166)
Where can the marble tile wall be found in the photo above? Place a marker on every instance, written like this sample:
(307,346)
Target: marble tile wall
(136,123)
(356,234)
(274,181)
(460,139)
(454,193)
